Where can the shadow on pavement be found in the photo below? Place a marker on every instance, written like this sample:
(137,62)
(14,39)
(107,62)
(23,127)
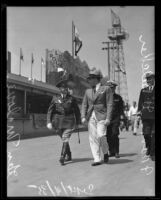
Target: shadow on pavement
(74,160)
(119,161)
(127,154)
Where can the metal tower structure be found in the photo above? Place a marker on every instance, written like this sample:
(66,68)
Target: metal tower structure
(115,53)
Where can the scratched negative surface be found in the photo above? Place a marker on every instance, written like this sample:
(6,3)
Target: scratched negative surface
(33,167)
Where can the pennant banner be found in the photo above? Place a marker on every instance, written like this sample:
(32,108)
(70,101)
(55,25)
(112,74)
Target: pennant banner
(42,61)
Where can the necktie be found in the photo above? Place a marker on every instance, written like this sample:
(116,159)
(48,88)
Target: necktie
(150,88)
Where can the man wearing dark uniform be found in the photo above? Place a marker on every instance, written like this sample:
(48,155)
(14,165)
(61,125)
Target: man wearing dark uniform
(64,116)
(117,115)
(146,108)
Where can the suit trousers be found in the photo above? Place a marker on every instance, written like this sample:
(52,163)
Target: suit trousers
(97,137)
(149,134)
(113,137)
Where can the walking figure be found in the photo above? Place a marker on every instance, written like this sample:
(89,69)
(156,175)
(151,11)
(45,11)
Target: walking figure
(96,110)
(64,116)
(117,115)
(133,117)
(146,109)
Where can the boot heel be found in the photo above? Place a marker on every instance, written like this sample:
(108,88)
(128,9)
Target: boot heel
(61,160)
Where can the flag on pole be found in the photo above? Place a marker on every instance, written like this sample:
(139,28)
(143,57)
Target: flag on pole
(42,61)
(115,18)
(21,55)
(32,58)
(77,40)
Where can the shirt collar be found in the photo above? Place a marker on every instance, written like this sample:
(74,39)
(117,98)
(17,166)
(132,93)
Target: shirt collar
(97,86)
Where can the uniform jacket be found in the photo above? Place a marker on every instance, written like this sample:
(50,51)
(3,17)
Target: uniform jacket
(63,112)
(117,108)
(146,103)
(101,102)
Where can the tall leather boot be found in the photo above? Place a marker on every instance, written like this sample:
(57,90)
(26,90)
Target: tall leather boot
(117,147)
(63,153)
(68,153)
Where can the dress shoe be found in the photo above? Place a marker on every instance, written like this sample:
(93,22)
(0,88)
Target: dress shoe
(117,155)
(134,133)
(106,158)
(95,163)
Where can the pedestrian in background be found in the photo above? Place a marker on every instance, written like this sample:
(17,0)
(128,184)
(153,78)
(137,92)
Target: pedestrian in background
(133,117)
(64,116)
(126,116)
(146,109)
(117,115)
(96,110)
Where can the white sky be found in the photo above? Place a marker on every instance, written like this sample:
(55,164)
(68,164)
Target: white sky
(36,28)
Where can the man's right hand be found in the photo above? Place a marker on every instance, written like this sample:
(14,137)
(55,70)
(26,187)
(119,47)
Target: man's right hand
(49,126)
(83,120)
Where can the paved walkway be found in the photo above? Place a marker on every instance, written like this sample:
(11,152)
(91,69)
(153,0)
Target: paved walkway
(34,169)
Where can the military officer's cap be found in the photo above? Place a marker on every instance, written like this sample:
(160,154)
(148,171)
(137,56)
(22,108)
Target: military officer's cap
(94,73)
(149,75)
(66,81)
(111,83)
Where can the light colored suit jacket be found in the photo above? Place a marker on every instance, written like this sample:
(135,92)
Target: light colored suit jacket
(101,102)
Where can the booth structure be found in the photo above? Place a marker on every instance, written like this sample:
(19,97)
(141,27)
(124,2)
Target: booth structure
(27,104)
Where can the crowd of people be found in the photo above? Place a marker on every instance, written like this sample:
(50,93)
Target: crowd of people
(105,114)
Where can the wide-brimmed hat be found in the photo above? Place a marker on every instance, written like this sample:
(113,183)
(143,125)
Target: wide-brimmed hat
(111,83)
(94,73)
(66,81)
(150,75)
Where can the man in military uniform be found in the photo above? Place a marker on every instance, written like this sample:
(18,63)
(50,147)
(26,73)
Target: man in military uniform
(146,108)
(96,110)
(64,116)
(117,115)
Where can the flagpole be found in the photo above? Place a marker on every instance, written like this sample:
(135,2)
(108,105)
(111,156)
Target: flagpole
(20,64)
(46,66)
(31,66)
(41,69)
(72,39)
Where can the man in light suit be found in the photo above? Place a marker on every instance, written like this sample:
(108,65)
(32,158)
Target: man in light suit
(96,110)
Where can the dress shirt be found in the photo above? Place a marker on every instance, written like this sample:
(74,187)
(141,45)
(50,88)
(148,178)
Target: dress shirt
(133,111)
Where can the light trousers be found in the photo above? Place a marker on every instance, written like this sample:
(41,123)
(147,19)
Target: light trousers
(97,137)
(134,125)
